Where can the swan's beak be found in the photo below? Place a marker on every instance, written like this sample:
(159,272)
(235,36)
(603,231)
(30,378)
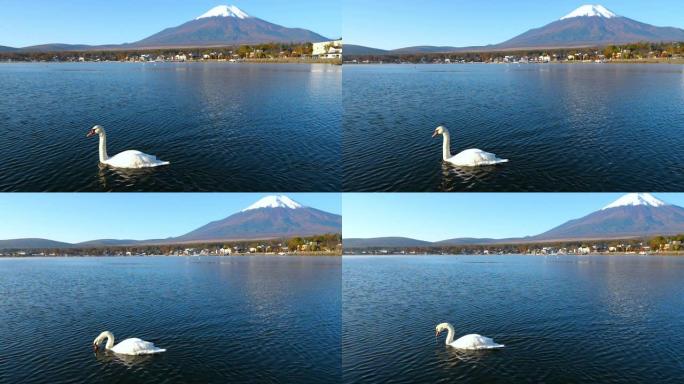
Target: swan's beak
(91,133)
(435,134)
(95,348)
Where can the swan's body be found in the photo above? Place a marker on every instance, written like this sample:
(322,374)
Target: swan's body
(469,157)
(469,342)
(127,159)
(131,347)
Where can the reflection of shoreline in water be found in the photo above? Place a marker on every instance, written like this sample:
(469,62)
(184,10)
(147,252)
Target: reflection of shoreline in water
(107,357)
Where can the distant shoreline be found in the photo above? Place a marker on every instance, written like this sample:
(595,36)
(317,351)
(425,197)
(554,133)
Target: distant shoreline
(644,61)
(251,61)
(356,254)
(305,254)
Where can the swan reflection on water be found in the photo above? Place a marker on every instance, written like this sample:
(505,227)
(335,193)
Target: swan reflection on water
(108,357)
(111,178)
(459,178)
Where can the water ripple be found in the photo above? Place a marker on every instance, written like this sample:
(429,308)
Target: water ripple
(223,127)
(564,127)
(611,320)
(269,320)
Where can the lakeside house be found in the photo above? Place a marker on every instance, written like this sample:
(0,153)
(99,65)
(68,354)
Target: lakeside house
(327,50)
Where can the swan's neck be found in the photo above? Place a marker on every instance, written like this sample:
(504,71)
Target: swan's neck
(446,148)
(110,340)
(450,334)
(103,147)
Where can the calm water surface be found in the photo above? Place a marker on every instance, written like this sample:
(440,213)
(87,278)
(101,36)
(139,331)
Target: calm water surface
(223,127)
(223,320)
(562,319)
(564,127)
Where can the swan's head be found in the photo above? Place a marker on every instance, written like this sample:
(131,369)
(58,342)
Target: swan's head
(439,131)
(441,328)
(98,340)
(94,131)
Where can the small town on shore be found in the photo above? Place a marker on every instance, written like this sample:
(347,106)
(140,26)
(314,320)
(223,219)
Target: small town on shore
(329,52)
(658,245)
(321,245)
(628,53)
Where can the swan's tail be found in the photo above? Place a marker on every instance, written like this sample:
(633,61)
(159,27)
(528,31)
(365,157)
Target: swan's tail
(495,161)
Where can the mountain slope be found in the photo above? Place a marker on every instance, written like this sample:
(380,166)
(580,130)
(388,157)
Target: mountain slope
(107,243)
(7,49)
(592,25)
(32,244)
(227,25)
(381,242)
(586,26)
(270,217)
(632,215)
(360,50)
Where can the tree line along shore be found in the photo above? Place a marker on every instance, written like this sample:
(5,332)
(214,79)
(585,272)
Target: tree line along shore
(320,245)
(660,245)
(260,53)
(628,53)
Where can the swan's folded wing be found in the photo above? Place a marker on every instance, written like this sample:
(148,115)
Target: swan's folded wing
(135,159)
(475,342)
(136,347)
(475,157)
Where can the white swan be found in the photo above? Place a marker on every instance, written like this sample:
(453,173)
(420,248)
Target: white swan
(131,347)
(467,158)
(128,159)
(467,341)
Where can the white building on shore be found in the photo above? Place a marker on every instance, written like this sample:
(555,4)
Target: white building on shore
(328,49)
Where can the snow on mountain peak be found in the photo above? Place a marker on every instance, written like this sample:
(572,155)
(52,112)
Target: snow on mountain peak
(225,11)
(280,201)
(590,10)
(634,199)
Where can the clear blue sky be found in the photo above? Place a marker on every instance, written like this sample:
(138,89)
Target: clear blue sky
(440,216)
(31,22)
(81,217)
(391,24)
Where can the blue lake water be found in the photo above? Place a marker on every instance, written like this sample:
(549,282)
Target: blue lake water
(563,319)
(581,127)
(224,127)
(229,320)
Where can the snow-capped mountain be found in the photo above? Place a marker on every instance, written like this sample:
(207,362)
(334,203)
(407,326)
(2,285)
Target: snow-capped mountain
(280,201)
(632,215)
(636,199)
(227,25)
(635,214)
(592,25)
(270,217)
(225,11)
(590,10)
